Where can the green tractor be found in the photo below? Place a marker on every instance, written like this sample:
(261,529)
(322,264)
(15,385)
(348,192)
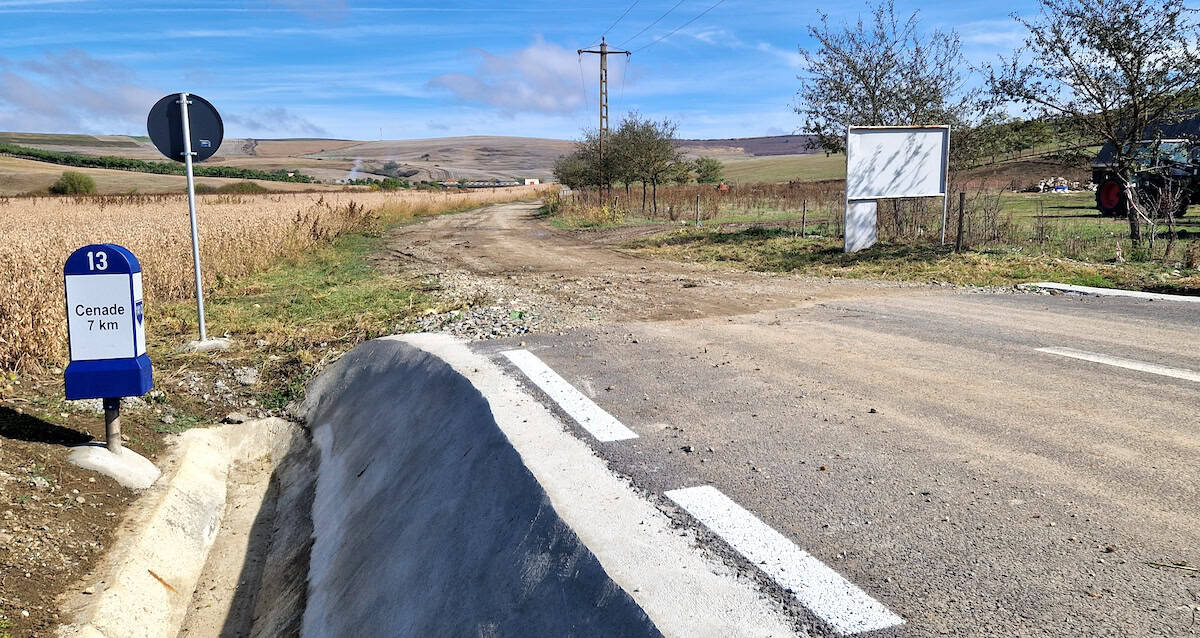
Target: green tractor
(1169,167)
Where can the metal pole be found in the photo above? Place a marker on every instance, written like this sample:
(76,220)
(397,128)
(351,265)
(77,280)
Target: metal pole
(191,191)
(962,205)
(945,190)
(112,424)
(603,106)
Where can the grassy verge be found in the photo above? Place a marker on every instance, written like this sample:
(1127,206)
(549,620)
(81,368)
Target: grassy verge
(781,250)
(294,318)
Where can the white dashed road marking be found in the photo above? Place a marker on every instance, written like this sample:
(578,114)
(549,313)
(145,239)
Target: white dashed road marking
(600,424)
(837,601)
(1178,373)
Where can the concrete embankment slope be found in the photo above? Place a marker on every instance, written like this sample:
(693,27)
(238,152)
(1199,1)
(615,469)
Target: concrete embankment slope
(426,521)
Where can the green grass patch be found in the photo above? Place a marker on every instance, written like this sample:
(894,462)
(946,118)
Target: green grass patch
(780,250)
(295,318)
(785,168)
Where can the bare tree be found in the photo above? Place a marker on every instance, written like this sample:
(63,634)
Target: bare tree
(884,72)
(1111,68)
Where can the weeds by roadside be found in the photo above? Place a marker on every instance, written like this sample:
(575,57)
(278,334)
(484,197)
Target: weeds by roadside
(783,250)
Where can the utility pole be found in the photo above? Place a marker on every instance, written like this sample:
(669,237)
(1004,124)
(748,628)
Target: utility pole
(604,52)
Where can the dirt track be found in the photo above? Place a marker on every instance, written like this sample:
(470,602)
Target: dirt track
(581,277)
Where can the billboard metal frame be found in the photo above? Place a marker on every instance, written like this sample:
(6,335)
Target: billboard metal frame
(943,181)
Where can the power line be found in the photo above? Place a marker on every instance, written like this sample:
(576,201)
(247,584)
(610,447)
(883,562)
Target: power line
(635,3)
(635,36)
(582,83)
(624,74)
(700,15)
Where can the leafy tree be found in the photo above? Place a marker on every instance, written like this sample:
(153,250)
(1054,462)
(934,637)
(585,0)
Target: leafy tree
(74,183)
(883,72)
(682,172)
(572,170)
(649,149)
(709,170)
(1110,68)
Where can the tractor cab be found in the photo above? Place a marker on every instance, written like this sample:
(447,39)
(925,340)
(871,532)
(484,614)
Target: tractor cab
(1159,164)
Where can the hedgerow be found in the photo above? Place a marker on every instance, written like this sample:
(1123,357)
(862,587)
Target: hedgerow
(143,166)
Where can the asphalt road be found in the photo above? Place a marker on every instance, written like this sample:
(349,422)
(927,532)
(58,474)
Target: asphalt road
(914,439)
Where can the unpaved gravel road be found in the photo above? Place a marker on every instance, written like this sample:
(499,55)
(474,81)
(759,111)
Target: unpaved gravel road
(913,438)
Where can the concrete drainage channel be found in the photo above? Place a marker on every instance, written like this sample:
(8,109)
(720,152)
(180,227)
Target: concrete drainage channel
(217,547)
(433,498)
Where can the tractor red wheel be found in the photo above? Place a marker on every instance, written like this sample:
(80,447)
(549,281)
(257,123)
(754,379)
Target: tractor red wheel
(1110,198)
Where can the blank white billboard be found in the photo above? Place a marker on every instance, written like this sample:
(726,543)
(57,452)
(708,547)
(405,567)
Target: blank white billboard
(888,162)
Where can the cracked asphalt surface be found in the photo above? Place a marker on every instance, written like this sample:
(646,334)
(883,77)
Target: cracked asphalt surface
(911,437)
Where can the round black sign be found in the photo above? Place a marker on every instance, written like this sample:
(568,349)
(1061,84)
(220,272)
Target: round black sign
(165,125)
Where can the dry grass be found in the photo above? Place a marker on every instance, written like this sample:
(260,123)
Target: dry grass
(239,234)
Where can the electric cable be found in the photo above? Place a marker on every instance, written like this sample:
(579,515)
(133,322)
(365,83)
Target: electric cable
(610,28)
(700,15)
(647,28)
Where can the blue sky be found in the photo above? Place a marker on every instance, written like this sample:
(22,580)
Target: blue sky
(365,68)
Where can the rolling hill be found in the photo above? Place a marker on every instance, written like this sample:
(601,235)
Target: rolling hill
(331,161)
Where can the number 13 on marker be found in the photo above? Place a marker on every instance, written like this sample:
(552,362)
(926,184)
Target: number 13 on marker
(97,260)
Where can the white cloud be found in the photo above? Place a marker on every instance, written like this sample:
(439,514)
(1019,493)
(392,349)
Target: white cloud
(541,78)
(275,121)
(315,9)
(791,58)
(72,92)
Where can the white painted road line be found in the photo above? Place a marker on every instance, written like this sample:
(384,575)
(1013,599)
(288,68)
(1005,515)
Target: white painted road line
(602,425)
(837,601)
(1178,373)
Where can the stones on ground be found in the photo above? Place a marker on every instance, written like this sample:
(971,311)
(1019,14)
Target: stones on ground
(235,417)
(209,345)
(246,376)
(94,406)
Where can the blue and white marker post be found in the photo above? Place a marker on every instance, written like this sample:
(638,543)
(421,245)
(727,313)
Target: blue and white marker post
(106,325)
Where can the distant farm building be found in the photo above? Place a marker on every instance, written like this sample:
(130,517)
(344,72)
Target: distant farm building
(529,181)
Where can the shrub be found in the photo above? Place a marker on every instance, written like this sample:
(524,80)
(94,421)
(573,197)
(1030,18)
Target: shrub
(243,188)
(73,183)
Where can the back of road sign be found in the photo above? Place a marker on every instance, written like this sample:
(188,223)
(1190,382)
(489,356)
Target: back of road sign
(165,127)
(106,324)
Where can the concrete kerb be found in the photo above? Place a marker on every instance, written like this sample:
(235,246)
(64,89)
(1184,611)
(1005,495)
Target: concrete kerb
(146,581)
(1108,292)
(427,523)
(683,593)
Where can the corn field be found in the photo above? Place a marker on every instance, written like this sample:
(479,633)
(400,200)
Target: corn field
(239,235)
